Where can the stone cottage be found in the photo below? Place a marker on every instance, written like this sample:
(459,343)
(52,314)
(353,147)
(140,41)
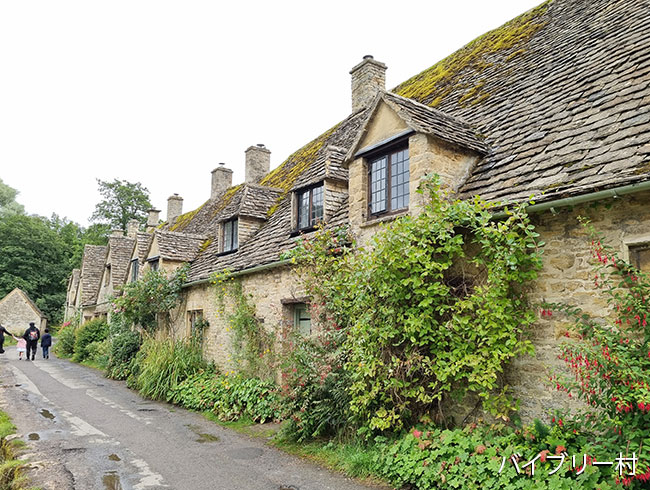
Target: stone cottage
(555,104)
(17,311)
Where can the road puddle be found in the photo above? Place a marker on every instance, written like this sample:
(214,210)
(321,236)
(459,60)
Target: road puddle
(33,437)
(111,481)
(47,414)
(203,436)
(114,457)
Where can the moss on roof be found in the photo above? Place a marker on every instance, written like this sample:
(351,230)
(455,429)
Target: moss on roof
(286,174)
(226,198)
(185,219)
(435,83)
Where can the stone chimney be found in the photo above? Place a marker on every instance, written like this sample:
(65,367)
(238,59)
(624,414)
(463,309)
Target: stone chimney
(258,163)
(132,228)
(152,219)
(221,180)
(174,207)
(368,78)
(117,232)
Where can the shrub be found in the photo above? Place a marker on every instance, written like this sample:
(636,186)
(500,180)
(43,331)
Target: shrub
(124,345)
(609,357)
(161,365)
(65,340)
(480,457)
(98,352)
(92,331)
(229,397)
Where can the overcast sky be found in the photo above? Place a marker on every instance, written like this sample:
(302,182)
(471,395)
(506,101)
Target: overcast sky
(159,92)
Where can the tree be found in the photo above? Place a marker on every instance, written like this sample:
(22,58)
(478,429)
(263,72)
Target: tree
(8,204)
(35,258)
(123,201)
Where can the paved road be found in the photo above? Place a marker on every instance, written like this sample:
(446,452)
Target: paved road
(87,432)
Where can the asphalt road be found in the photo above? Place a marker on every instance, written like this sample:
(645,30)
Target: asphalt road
(87,432)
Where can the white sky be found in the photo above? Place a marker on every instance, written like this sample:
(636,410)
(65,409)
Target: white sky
(159,92)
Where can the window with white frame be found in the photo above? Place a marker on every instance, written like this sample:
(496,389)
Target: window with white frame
(310,207)
(302,318)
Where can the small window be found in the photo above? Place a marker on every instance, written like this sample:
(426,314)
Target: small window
(107,275)
(310,207)
(640,257)
(195,321)
(388,182)
(154,263)
(302,318)
(135,270)
(230,239)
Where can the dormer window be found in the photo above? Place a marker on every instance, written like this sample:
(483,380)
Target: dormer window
(310,207)
(388,181)
(230,235)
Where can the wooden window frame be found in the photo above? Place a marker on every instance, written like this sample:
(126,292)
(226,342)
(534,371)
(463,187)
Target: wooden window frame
(234,236)
(311,221)
(297,307)
(386,151)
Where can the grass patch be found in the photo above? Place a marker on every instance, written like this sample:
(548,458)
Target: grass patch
(11,469)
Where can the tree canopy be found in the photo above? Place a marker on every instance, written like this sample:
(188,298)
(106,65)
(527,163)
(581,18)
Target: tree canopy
(123,201)
(8,204)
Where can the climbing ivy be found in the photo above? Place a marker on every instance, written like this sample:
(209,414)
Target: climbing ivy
(432,309)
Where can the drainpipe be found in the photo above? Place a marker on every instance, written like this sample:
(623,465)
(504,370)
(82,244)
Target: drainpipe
(574,201)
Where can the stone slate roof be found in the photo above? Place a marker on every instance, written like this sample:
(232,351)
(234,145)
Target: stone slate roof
(274,236)
(557,101)
(143,242)
(92,268)
(424,119)
(177,246)
(120,251)
(561,95)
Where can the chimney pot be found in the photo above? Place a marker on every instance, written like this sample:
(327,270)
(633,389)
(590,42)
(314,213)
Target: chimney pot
(152,219)
(368,78)
(221,180)
(174,207)
(258,163)
(132,227)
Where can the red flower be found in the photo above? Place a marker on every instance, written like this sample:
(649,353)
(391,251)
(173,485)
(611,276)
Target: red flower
(416,433)
(560,449)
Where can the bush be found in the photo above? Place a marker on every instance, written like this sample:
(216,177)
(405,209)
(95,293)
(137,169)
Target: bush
(98,352)
(92,331)
(124,345)
(64,346)
(161,365)
(480,457)
(229,397)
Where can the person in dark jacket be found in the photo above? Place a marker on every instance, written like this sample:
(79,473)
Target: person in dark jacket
(3,331)
(31,335)
(46,342)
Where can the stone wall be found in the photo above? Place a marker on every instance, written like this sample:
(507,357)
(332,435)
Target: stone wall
(268,289)
(16,313)
(568,277)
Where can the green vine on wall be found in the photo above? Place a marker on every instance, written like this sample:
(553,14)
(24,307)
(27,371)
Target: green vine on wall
(148,302)
(251,346)
(432,310)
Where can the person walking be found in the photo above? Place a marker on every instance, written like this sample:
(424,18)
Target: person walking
(31,335)
(46,342)
(3,331)
(21,346)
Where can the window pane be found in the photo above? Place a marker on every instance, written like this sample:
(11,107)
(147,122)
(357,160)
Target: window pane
(235,234)
(302,319)
(227,236)
(303,209)
(399,180)
(378,185)
(317,205)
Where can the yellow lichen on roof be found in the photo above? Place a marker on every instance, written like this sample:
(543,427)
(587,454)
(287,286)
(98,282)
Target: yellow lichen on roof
(435,83)
(225,199)
(185,219)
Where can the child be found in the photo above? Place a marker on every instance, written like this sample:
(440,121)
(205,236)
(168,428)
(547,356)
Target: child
(21,346)
(46,342)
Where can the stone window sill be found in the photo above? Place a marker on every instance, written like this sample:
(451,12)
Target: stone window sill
(383,219)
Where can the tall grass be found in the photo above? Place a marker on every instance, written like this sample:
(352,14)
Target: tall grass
(164,364)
